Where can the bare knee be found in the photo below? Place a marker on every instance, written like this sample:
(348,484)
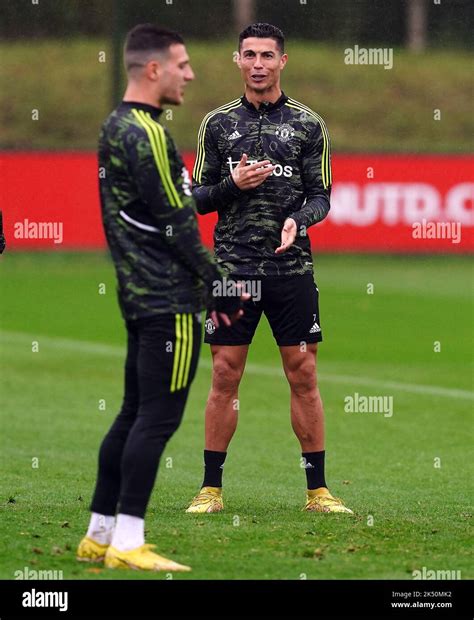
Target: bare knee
(226,375)
(301,376)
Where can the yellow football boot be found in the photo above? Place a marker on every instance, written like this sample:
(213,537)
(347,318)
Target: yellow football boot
(320,500)
(209,499)
(90,551)
(141,558)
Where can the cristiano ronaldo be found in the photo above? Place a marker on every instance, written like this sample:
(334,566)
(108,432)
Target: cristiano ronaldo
(263,163)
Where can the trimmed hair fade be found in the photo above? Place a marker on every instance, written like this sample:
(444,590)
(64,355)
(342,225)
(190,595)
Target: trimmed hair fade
(146,39)
(264,31)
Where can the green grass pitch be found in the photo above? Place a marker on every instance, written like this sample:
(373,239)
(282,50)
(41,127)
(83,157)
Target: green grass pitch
(407,477)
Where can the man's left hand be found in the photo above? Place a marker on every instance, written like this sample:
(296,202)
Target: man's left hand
(288,235)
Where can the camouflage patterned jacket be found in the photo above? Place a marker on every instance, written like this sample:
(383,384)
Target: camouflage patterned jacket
(149,217)
(248,231)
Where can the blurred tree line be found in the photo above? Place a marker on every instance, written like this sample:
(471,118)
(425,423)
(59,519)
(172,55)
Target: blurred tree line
(363,22)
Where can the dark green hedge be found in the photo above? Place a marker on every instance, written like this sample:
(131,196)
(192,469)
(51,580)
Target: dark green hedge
(351,21)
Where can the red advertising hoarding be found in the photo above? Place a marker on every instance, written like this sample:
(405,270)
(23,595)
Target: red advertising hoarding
(379,203)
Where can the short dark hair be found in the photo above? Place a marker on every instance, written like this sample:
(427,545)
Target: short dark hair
(264,31)
(145,39)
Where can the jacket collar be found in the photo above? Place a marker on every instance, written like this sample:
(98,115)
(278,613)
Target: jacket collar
(154,110)
(266,106)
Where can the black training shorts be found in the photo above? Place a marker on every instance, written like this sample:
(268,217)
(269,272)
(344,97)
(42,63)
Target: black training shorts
(290,304)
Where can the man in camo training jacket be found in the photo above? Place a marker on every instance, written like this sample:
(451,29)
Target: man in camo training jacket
(165,278)
(263,163)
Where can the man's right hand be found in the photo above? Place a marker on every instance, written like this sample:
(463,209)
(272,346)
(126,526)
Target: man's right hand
(253,175)
(229,309)
(225,319)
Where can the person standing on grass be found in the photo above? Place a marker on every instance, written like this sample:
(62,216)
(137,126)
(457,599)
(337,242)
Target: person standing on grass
(264,164)
(165,279)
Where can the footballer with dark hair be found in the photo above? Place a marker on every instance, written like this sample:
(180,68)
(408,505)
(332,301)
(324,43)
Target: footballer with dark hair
(165,279)
(264,164)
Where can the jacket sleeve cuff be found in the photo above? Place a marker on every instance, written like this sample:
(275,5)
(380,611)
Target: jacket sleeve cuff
(228,188)
(296,217)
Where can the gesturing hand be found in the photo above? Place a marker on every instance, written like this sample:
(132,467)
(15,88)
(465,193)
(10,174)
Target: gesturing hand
(288,235)
(253,175)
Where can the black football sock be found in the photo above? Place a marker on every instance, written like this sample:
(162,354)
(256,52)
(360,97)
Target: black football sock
(314,468)
(213,466)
